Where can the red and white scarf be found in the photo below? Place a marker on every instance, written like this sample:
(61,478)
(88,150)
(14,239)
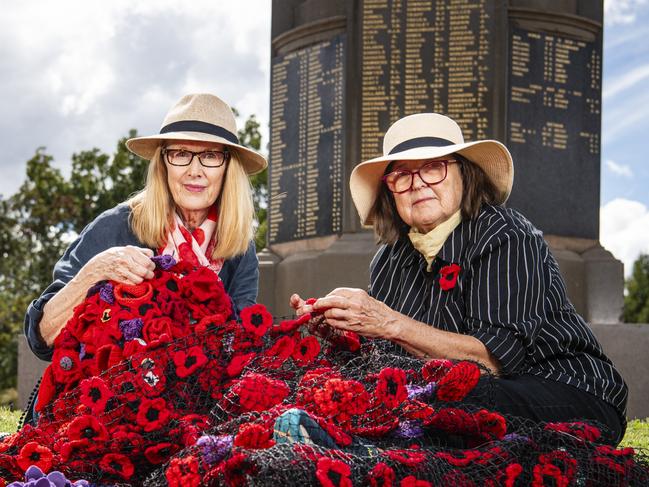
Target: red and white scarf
(195,248)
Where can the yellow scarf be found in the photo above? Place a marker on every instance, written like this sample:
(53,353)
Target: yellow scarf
(429,244)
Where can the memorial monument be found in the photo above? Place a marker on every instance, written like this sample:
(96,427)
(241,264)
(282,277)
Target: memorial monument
(525,72)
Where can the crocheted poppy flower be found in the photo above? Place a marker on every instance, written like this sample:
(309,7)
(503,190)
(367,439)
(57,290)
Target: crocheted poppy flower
(254,435)
(156,328)
(133,295)
(333,473)
(65,339)
(412,481)
(123,438)
(183,472)
(548,474)
(562,460)
(381,475)
(276,355)
(210,380)
(410,458)
(35,454)
(306,351)
(448,276)
(152,414)
(345,341)
(256,392)
(435,369)
(203,285)
(160,453)
(289,326)
(391,387)
(459,458)
(118,465)
(581,430)
(65,366)
(188,362)
(491,425)
(238,363)
(87,427)
(341,399)
(95,393)
(256,319)
(311,381)
(452,421)
(458,382)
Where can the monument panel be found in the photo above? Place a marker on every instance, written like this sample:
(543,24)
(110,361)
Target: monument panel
(553,122)
(421,56)
(306,145)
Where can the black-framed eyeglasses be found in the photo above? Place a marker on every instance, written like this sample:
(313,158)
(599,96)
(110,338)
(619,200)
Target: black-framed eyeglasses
(431,173)
(207,158)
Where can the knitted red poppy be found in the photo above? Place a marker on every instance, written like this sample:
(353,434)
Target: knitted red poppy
(333,473)
(35,454)
(254,435)
(448,276)
(118,465)
(458,382)
(391,387)
(381,475)
(95,393)
(256,319)
(306,350)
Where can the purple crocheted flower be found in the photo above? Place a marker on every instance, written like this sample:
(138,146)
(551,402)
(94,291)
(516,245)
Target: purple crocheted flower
(421,393)
(515,437)
(34,477)
(409,429)
(106,293)
(82,351)
(215,448)
(164,262)
(131,329)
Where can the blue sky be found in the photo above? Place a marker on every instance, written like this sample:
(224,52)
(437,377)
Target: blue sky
(78,74)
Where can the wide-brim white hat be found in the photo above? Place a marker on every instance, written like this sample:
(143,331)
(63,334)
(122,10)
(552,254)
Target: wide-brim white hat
(200,117)
(427,136)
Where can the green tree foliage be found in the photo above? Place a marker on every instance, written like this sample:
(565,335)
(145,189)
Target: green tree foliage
(250,137)
(636,301)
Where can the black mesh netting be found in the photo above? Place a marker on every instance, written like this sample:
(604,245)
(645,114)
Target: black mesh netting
(151,385)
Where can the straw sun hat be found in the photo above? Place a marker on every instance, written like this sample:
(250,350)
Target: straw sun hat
(427,136)
(199,117)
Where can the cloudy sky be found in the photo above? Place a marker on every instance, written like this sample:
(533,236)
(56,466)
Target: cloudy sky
(78,74)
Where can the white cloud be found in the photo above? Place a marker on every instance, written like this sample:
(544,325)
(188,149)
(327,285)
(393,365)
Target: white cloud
(622,11)
(619,169)
(625,81)
(79,74)
(624,226)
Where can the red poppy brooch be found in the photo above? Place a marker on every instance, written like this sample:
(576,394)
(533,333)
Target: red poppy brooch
(448,276)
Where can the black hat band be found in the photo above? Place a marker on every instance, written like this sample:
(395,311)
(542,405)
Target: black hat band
(202,127)
(420,142)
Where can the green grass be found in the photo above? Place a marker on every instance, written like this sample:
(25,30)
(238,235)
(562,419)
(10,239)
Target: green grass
(9,420)
(637,433)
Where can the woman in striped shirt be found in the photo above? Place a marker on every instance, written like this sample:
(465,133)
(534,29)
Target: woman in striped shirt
(461,277)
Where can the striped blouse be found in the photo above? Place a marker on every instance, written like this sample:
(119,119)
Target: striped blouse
(509,294)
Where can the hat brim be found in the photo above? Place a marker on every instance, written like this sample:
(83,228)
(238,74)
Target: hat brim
(490,155)
(145,147)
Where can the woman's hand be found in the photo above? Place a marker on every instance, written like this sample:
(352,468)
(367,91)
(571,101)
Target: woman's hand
(299,305)
(126,265)
(354,310)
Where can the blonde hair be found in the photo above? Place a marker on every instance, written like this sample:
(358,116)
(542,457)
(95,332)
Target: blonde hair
(152,209)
